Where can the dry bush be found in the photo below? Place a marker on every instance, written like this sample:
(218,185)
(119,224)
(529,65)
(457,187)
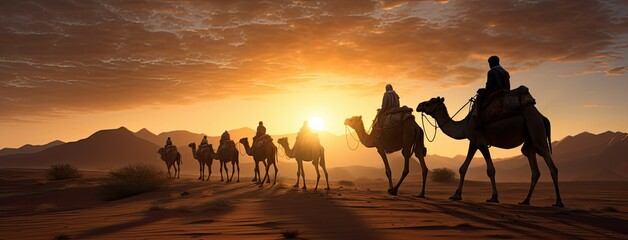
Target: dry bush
(62,171)
(132,180)
(61,237)
(346,183)
(290,234)
(442,175)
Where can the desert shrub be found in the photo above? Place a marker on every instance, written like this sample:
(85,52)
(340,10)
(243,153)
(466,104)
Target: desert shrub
(346,183)
(132,180)
(442,175)
(62,171)
(290,234)
(61,237)
(609,209)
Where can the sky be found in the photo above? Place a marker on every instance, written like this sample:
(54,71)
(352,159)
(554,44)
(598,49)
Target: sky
(70,68)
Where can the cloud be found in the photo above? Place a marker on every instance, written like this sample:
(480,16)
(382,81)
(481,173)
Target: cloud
(59,57)
(596,106)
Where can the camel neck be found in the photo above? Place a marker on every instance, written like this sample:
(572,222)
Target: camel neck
(451,128)
(364,137)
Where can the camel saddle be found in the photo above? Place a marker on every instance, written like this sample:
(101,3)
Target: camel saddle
(203,147)
(394,117)
(226,145)
(305,145)
(170,148)
(507,103)
(261,141)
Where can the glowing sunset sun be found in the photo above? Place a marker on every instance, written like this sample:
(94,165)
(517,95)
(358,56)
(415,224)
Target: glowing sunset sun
(317,123)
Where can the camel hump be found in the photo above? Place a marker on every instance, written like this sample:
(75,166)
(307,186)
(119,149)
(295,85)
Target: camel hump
(395,117)
(261,141)
(507,103)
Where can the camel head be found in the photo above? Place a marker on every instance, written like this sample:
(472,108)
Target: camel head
(192,145)
(161,151)
(282,141)
(244,140)
(354,122)
(429,107)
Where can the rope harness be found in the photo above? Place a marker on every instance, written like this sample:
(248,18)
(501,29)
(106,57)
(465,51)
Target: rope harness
(348,132)
(451,119)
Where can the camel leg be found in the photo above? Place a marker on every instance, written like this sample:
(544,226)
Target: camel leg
(318,175)
(554,172)
(302,174)
(406,170)
(256,171)
(296,185)
(322,162)
(265,176)
(424,172)
(221,179)
(201,170)
(382,154)
(209,169)
(490,171)
(530,153)
(266,166)
(226,171)
(168,166)
(238,165)
(276,169)
(232,171)
(179,169)
(463,171)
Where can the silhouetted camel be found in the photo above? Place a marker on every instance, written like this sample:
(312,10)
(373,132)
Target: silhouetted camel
(228,155)
(171,158)
(317,157)
(267,155)
(204,159)
(529,127)
(408,138)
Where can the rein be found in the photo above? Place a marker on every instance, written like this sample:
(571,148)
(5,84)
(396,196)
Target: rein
(451,119)
(347,132)
(239,151)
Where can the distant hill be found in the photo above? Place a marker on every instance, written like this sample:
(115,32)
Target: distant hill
(585,156)
(28,148)
(104,149)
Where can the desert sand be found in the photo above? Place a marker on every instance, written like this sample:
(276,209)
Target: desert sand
(33,208)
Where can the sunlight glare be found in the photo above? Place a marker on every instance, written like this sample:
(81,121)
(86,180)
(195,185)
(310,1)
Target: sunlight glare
(316,123)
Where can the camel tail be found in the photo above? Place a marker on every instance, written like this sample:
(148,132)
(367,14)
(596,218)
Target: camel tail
(179,158)
(548,132)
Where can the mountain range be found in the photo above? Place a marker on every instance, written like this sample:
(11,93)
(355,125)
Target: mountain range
(584,156)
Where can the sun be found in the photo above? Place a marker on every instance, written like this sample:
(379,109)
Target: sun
(316,123)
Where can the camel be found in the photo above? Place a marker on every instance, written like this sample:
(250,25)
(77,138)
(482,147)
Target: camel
(225,157)
(408,138)
(529,128)
(267,155)
(317,157)
(171,158)
(204,159)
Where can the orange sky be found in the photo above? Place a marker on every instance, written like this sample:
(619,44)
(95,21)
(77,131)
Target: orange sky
(71,68)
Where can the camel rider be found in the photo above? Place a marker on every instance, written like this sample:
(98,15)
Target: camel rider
(224,137)
(204,142)
(168,147)
(303,137)
(497,79)
(168,143)
(390,101)
(261,131)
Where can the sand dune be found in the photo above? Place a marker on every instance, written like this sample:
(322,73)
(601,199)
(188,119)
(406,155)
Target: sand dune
(31,208)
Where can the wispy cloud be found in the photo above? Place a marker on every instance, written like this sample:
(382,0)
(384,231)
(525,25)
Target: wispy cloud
(122,55)
(596,106)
